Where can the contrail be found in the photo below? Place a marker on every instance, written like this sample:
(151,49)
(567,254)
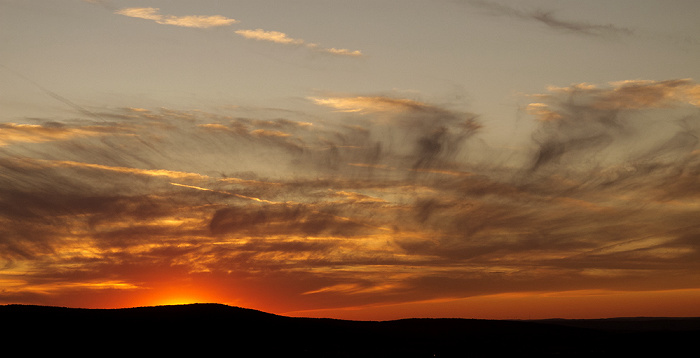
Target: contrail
(228,193)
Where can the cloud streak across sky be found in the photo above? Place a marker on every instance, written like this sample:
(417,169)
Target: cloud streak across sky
(282,38)
(387,200)
(197,21)
(549,19)
(494,159)
(200,21)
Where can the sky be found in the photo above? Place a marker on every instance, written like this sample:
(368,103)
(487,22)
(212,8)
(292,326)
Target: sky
(356,159)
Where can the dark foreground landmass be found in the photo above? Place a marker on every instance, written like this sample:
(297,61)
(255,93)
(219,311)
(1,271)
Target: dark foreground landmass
(206,330)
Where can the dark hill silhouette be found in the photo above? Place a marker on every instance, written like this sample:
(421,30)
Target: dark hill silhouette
(214,329)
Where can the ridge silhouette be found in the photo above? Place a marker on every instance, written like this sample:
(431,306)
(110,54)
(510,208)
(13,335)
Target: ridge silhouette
(216,329)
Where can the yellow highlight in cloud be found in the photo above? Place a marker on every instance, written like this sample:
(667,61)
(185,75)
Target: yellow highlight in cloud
(269,133)
(370,104)
(125,170)
(542,112)
(19,286)
(227,193)
(34,133)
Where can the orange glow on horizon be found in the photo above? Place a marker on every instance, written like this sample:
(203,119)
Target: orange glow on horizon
(578,304)
(179,300)
(582,304)
(172,291)
(175,296)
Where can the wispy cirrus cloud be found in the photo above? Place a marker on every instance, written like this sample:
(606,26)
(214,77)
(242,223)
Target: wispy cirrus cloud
(200,21)
(124,170)
(282,38)
(271,36)
(585,119)
(371,104)
(395,201)
(549,19)
(196,21)
(36,133)
(342,52)
(620,96)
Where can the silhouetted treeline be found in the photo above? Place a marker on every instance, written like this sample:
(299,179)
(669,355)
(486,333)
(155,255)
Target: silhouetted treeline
(218,330)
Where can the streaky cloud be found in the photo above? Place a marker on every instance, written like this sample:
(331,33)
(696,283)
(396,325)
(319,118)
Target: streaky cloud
(284,39)
(342,52)
(549,19)
(37,133)
(196,21)
(371,104)
(201,21)
(271,36)
(377,199)
(147,172)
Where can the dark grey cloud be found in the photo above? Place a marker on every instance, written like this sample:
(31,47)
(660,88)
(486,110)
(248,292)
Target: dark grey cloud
(284,219)
(549,19)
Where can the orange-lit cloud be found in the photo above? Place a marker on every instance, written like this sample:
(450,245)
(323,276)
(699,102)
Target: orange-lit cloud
(269,133)
(620,96)
(271,36)
(282,38)
(542,111)
(202,21)
(147,172)
(371,104)
(342,51)
(380,202)
(636,94)
(197,21)
(35,133)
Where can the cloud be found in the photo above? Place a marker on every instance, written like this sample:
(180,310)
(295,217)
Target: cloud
(282,38)
(342,52)
(296,220)
(269,133)
(588,119)
(649,94)
(200,21)
(431,135)
(371,104)
(148,172)
(272,36)
(36,133)
(380,199)
(196,21)
(635,94)
(549,19)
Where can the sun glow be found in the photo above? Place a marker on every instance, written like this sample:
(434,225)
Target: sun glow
(177,292)
(179,300)
(178,295)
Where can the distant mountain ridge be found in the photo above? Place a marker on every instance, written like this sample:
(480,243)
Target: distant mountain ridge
(205,329)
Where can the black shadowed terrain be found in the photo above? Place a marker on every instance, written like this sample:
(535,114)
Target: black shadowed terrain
(219,330)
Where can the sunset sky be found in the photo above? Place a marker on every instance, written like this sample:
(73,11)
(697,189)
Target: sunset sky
(364,159)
